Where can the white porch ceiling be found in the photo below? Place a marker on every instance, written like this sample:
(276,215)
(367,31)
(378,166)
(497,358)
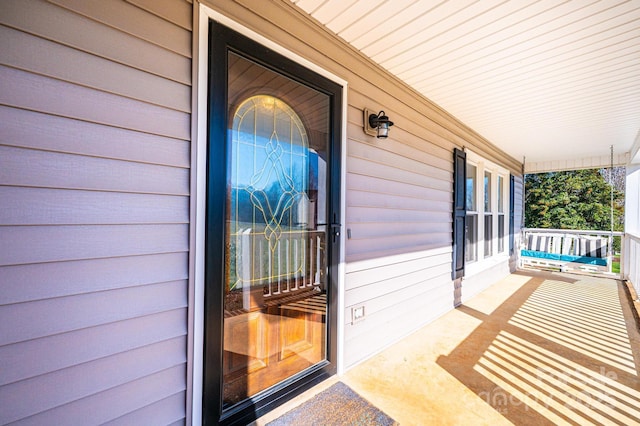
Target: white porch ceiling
(542,79)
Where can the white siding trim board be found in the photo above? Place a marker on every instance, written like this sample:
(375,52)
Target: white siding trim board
(393,323)
(398,299)
(491,273)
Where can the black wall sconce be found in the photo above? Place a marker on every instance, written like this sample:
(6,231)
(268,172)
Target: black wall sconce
(376,124)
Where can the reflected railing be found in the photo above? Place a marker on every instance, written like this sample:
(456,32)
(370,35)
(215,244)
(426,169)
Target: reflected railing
(264,270)
(275,317)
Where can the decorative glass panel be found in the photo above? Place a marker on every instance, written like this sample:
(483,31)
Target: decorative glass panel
(269,193)
(275,294)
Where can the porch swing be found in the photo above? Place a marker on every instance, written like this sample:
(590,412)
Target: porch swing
(568,250)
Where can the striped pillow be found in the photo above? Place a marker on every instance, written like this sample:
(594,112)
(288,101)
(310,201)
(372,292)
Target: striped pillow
(567,244)
(592,247)
(539,242)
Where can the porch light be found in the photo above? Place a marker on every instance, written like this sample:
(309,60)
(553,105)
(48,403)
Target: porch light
(380,122)
(376,124)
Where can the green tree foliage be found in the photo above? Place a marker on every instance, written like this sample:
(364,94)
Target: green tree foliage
(578,199)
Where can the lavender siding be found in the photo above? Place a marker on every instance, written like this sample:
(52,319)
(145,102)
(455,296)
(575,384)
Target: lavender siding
(95,154)
(95,103)
(397,190)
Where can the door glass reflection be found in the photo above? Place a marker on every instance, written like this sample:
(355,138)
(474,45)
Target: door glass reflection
(275,243)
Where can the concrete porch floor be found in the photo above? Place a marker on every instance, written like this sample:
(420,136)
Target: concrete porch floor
(535,348)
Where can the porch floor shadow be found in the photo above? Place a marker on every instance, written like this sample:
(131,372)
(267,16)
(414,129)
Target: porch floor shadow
(535,348)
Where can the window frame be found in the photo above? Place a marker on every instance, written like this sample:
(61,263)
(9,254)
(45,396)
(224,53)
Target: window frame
(487,258)
(500,212)
(488,210)
(472,217)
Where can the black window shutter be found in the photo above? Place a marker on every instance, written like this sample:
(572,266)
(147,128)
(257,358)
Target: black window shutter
(512,215)
(459,211)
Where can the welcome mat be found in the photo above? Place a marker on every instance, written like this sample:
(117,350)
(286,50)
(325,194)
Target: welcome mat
(338,405)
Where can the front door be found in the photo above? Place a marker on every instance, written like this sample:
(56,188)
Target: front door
(272,227)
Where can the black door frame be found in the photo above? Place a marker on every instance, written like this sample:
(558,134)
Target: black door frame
(221,41)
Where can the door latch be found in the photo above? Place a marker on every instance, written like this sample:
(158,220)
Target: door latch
(335,230)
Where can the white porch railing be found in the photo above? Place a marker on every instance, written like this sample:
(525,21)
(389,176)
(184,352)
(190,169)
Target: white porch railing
(569,250)
(630,261)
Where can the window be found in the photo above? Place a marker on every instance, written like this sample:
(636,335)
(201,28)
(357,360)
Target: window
(471,231)
(488,217)
(500,214)
(486,221)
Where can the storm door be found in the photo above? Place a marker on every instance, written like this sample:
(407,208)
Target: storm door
(272,227)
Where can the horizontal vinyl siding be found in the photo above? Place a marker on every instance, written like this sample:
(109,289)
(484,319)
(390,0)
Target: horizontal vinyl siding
(398,195)
(65,27)
(398,190)
(25,90)
(30,129)
(95,105)
(48,58)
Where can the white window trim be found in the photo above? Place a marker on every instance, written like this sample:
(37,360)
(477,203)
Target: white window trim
(482,165)
(202,14)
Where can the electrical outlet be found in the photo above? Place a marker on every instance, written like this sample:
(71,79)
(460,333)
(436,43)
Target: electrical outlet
(357,314)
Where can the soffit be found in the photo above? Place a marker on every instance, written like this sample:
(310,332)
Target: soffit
(547,80)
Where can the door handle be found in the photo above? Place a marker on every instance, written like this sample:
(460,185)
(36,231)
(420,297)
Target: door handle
(335,230)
